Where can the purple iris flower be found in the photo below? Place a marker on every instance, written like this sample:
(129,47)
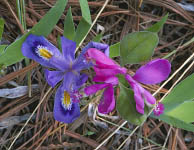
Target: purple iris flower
(63,67)
(153,72)
(106,70)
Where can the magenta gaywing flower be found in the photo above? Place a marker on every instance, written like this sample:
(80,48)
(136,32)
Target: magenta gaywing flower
(152,73)
(106,70)
(159,109)
(66,69)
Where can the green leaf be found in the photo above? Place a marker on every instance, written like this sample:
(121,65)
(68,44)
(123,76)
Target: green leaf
(127,108)
(122,80)
(175,122)
(1,27)
(69,28)
(156,27)
(183,112)
(181,93)
(97,38)
(138,47)
(2,48)
(13,52)
(115,50)
(85,11)
(81,31)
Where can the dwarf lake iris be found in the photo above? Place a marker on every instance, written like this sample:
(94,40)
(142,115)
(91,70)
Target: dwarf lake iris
(62,67)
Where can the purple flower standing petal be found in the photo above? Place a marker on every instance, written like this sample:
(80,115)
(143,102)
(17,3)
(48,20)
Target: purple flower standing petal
(107,102)
(94,88)
(102,47)
(53,77)
(40,49)
(61,113)
(80,81)
(68,48)
(153,72)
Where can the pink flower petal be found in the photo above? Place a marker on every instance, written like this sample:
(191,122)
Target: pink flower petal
(137,89)
(138,99)
(112,80)
(154,72)
(101,60)
(94,88)
(149,98)
(109,72)
(159,109)
(107,103)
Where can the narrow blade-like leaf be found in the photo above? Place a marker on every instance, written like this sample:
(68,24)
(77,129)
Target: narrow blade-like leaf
(81,31)
(85,11)
(1,27)
(69,28)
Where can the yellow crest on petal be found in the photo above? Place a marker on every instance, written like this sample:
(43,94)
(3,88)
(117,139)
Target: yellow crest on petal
(44,52)
(66,100)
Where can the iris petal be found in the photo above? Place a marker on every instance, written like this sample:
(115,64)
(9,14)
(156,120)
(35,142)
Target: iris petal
(65,115)
(53,77)
(80,81)
(107,102)
(69,81)
(153,72)
(40,49)
(68,48)
(102,47)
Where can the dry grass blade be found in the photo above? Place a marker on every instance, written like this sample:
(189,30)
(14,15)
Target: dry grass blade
(118,18)
(30,118)
(15,74)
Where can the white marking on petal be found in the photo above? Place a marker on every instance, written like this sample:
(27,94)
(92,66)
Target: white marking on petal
(66,101)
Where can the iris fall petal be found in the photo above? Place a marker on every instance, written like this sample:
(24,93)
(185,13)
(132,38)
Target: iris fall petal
(60,113)
(53,77)
(40,49)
